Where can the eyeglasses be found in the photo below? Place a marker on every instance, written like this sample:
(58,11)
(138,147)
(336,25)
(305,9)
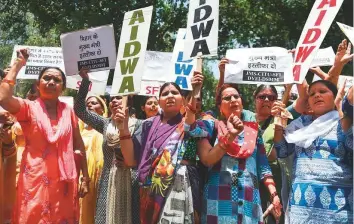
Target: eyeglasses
(228,98)
(269,97)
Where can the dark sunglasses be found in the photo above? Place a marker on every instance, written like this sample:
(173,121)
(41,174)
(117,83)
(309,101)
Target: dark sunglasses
(270,97)
(228,98)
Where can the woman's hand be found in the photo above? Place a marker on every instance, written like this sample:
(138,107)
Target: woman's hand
(22,56)
(339,98)
(120,117)
(277,207)
(84,187)
(234,126)
(84,73)
(277,108)
(343,55)
(222,64)
(197,80)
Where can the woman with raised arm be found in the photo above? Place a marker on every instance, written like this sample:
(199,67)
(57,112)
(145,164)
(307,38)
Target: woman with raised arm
(115,201)
(237,162)
(322,152)
(160,152)
(93,145)
(47,188)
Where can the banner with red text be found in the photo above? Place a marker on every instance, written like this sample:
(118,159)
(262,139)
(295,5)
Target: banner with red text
(320,19)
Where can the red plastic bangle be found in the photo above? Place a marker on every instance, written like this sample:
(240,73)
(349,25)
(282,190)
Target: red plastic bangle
(125,137)
(10,82)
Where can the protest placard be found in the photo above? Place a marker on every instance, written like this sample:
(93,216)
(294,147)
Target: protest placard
(324,57)
(181,70)
(39,58)
(202,29)
(98,82)
(315,29)
(155,72)
(68,100)
(93,49)
(150,88)
(294,94)
(341,79)
(131,52)
(270,65)
(348,31)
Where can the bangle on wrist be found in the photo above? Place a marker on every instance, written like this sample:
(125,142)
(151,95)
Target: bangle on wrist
(125,137)
(10,82)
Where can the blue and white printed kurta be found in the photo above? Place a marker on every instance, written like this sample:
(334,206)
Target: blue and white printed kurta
(322,177)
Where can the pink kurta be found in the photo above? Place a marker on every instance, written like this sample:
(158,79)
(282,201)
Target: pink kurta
(41,196)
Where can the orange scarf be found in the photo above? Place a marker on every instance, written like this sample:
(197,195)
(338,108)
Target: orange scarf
(62,138)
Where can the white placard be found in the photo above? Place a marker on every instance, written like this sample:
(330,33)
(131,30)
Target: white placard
(131,51)
(294,94)
(150,88)
(348,31)
(155,66)
(98,82)
(315,29)
(341,79)
(93,48)
(68,100)
(324,57)
(270,65)
(202,29)
(182,70)
(39,58)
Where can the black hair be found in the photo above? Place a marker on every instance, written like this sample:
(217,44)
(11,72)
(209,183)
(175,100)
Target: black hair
(328,84)
(61,73)
(222,88)
(263,87)
(132,111)
(146,98)
(2,74)
(167,84)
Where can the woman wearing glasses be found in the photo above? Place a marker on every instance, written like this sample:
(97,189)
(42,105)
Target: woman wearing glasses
(114,201)
(237,162)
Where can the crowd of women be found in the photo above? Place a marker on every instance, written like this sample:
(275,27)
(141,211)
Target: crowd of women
(96,164)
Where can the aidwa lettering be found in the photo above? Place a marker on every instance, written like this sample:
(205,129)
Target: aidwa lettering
(202,29)
(131,50)
(312,35)
(182,70)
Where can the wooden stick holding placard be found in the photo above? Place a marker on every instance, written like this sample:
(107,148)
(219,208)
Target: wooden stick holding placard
(196,92)
(124,105)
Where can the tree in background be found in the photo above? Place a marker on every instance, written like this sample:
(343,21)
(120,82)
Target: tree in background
(243,23)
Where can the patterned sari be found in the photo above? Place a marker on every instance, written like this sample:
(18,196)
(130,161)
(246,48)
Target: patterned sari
(160,174)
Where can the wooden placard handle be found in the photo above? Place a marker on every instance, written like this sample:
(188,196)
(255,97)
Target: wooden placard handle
(196,92)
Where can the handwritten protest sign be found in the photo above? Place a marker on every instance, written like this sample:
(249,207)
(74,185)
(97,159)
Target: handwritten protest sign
(39,58)
(131,52)
(202,29)
(98,82)
(315,29)
(348,31)
(324,57)
(93,48)
(182,70)
(270,65)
